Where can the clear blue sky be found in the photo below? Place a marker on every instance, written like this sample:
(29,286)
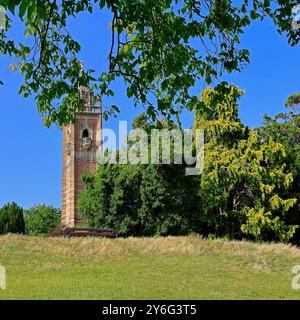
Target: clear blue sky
(31,155)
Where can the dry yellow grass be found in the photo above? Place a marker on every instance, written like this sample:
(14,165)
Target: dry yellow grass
(170,267)
(93,248)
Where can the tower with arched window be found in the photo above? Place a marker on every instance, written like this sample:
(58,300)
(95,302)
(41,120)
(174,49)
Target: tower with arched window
(81,141)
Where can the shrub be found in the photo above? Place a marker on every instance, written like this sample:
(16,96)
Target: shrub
(11,219)
(140,200)
(42,219)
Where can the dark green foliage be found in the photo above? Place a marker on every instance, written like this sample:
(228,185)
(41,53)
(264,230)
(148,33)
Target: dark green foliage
(11,219)
(285,129)
(42,219)
(249,187)
(293,100)
(140,200)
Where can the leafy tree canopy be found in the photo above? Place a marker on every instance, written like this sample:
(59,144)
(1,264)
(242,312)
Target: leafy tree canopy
(41,219)
(140,200)
(246,180)
(151,49)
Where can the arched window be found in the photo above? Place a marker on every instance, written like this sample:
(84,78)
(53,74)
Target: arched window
(85,133)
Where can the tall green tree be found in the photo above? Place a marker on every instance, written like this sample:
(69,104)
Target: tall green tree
(244,175)
(151,49)
(284,128)
(11,219)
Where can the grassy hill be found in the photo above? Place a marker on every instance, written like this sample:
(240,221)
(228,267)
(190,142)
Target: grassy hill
(146,268)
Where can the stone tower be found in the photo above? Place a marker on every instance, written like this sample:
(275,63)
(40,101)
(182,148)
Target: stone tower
(81,141)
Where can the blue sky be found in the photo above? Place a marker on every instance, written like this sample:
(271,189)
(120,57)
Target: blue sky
(31,155)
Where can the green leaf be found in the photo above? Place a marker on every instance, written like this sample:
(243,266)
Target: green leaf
(41,10)
(23,8)
(102,4)
(31,9)
(11,5)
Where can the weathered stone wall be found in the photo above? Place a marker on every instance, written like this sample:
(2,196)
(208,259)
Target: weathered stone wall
(76,162)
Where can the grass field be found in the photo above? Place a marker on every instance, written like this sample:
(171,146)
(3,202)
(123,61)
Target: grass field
(146,268)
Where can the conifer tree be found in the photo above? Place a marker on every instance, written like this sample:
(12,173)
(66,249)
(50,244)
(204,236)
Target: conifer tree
(242,176)
(11,219)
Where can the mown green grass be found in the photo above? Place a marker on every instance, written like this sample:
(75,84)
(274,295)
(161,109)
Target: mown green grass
(146,268)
